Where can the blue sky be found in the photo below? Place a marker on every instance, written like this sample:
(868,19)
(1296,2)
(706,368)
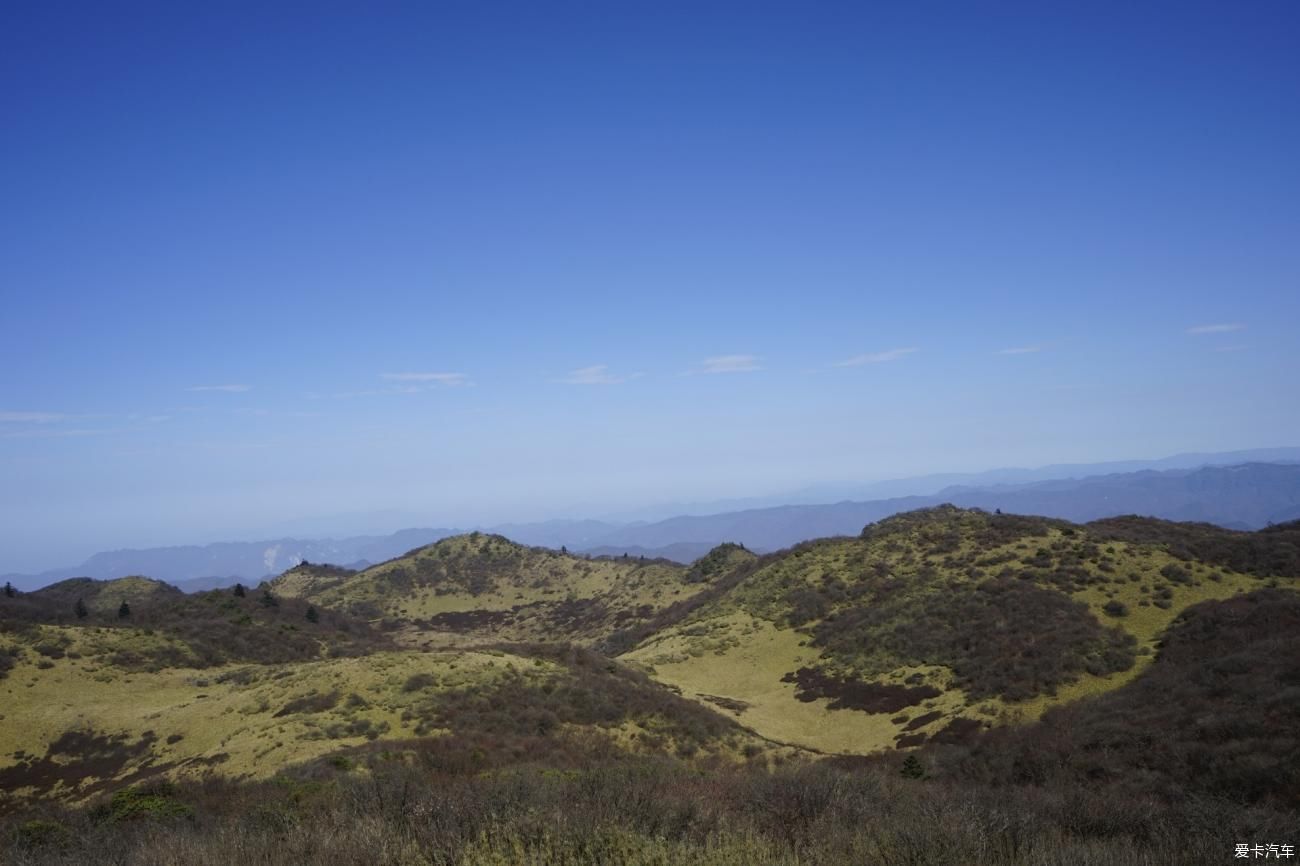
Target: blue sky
(507,261)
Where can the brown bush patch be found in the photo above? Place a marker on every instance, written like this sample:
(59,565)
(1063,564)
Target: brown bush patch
(76,757)
(313,703)
(922,721)
(856,695)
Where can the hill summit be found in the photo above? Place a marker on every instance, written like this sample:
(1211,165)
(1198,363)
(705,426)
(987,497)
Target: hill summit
(479,586)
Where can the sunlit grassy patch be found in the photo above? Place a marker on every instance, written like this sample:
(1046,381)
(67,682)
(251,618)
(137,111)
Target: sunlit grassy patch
(751,671)
(233,719)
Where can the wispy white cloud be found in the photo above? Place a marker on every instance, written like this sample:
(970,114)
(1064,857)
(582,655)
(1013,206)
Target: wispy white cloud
(1198,330)
(368,392)
(32,417)
(276,413)
(449,379)
(1019,350)
(59,432)
(52,425)
(230,389)
(875,357)
(217,445)
(596,374)
(730,364)
(46,433)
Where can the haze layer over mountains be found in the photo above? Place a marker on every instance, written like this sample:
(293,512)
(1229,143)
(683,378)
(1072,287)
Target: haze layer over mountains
(1240,495)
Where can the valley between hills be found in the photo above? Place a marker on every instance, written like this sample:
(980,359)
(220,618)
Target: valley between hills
(942,656)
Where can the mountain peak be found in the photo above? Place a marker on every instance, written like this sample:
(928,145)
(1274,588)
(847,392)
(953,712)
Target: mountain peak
(724,558)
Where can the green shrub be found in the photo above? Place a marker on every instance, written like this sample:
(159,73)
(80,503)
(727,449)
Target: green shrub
(154,801)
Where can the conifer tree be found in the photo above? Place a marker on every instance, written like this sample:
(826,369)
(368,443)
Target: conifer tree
(912,768)
(240,591)
(123,610)
(80,609)
(312,615)
(10,592)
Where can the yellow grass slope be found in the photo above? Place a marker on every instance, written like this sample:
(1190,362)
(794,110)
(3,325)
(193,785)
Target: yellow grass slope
(739,651)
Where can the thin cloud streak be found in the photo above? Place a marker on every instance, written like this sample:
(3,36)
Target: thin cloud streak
(371,392)
(1225,328)
(32,417)
(730,364)
(448,379)
(229,389)
(596,374)
(875,357)
(78,432)
(55,434)
(1019,350)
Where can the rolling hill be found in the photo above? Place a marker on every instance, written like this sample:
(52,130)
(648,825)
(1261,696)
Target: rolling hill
(939,623)
(934,623)
(481,586)
(242,686)
(1030,654)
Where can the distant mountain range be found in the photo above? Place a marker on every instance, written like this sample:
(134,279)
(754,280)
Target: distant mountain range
(1245,496)
(929,485)
(1249,496)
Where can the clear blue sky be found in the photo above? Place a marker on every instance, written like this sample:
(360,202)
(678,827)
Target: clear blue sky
(490,261)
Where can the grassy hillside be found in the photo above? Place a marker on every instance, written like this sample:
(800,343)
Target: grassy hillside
(479,587)
(1216,714)
(241,683)
(104,597)
(936,629)
(81,724)
(170,629)
(1173,769)
(933,625)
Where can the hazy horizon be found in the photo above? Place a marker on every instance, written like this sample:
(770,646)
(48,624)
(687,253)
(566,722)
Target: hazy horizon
(496,265)
(68,552)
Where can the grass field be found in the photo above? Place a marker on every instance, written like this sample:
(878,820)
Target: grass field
(844,646)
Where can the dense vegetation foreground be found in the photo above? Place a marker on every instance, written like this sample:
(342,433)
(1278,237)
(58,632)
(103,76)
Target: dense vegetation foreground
(951,687)
(602,809)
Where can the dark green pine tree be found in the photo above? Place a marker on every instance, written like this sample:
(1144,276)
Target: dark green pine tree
(912,768)
(269,600)
(123,610)
(312,615)
(10,592)
(80,609)
(240,591)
